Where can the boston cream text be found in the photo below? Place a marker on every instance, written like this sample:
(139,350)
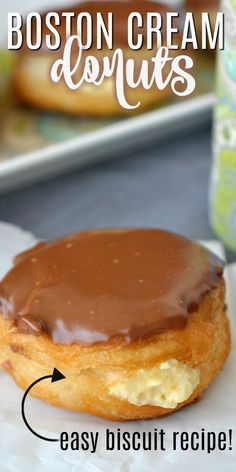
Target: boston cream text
(160,69)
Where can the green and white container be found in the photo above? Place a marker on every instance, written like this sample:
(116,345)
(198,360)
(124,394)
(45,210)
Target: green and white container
(223,178)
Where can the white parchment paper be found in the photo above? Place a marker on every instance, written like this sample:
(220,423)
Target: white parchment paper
(21,451)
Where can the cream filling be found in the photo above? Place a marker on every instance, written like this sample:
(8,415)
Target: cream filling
(165,385)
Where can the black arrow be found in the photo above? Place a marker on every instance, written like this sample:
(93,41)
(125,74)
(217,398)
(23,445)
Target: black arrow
(55,376)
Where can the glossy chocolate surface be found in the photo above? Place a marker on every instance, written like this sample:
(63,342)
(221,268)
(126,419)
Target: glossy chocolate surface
(99,286)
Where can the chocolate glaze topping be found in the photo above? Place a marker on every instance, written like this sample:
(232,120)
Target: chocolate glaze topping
(99,286)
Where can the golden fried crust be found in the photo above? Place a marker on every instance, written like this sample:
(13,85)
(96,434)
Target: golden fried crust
(204,344)
(33,86)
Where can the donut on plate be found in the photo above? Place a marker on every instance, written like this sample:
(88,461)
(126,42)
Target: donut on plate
(134,318)
(32,83)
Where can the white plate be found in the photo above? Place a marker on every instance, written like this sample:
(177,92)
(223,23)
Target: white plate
(20,451)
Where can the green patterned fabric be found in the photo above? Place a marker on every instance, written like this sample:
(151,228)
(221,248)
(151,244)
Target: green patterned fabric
(223,196)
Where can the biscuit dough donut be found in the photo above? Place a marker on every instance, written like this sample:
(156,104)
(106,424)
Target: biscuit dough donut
(134,318)
(32,83)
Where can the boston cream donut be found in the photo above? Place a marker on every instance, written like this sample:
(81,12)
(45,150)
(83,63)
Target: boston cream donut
(32,82)
(134,318)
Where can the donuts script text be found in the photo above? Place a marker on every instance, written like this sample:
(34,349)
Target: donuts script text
(155,69)
(123,71)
